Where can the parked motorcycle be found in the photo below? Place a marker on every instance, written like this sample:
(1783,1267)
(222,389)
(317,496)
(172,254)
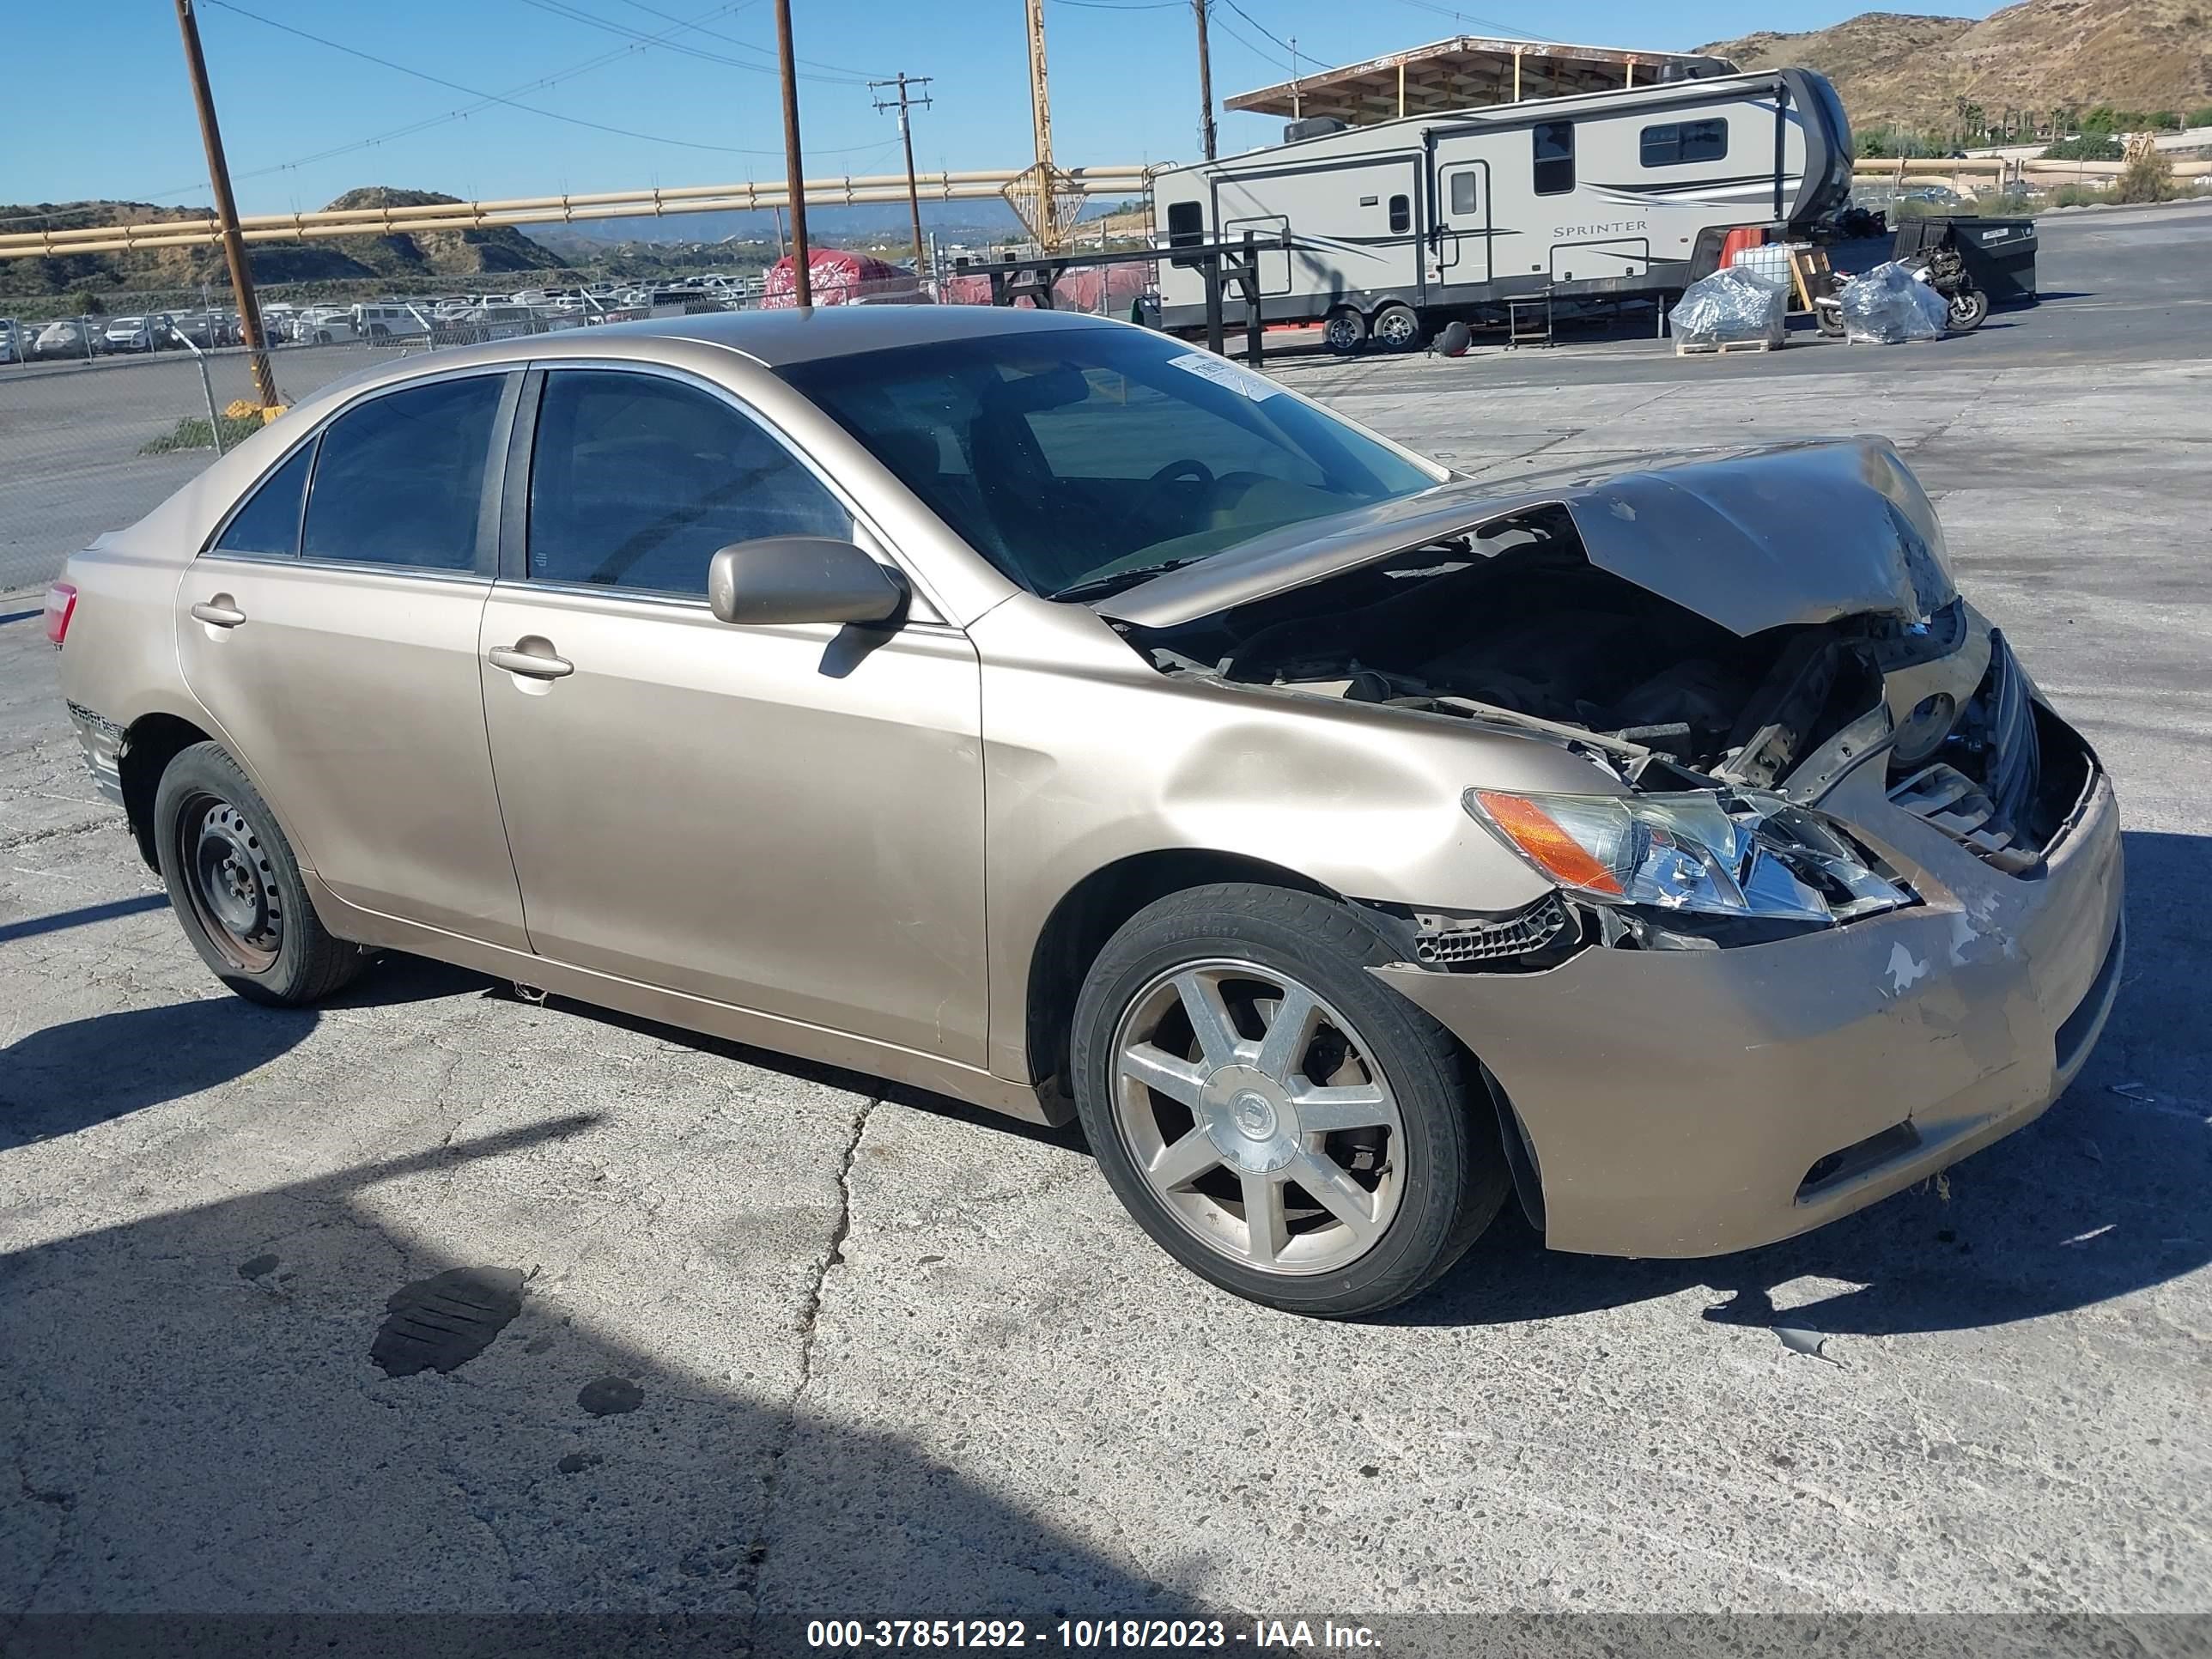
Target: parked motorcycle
(1940,268)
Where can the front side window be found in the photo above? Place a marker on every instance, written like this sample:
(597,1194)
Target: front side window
(400,479)
(1085,458)
(1463,197)
(636,481)
(269,523)
(1554,143)
(1681,141)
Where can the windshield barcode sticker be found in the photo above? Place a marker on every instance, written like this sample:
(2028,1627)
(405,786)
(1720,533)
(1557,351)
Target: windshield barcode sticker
(1219,370)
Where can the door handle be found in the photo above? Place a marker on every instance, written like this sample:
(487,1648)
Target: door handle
(531,665)
(221,611)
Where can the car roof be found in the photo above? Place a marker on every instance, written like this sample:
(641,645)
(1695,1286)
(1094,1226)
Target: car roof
(780,336)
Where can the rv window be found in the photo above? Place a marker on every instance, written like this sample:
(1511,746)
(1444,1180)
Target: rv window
(1554,157)
(1463,193)
(1687,140)
(1401,216)
(1186,224)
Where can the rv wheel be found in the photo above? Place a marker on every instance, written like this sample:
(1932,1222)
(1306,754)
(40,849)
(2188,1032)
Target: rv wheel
(1345,332)
(1396,328)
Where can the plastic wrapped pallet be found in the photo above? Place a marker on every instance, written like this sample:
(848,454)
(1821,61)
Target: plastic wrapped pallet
(1889,305)
(1729,307)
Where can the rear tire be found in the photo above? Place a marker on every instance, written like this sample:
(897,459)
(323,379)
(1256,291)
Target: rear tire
(1214,1145)
(1397,327)
(235,886)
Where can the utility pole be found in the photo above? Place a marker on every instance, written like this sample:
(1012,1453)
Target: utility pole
(794,170)
(901,104)
(225,208)
(1205,84)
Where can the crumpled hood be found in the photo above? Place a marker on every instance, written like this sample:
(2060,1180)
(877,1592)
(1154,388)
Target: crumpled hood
(1804,533)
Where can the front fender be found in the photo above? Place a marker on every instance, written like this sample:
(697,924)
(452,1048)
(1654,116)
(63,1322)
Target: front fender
(1092,757)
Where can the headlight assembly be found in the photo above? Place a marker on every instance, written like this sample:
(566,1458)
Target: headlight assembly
(1743,853)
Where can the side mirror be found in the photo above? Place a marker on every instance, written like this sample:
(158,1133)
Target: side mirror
(802,579)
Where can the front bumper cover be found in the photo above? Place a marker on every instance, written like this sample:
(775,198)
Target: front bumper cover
(1693,1102)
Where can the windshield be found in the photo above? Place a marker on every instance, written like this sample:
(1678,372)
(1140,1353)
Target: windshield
(1082,460)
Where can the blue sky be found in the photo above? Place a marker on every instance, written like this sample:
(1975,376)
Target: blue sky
(1123,76)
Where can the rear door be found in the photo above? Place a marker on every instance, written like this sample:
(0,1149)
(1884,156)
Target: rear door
(786,819)
(331,629)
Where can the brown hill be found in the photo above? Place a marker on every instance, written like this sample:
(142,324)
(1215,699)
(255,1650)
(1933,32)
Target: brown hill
(414,258)
(1910,71)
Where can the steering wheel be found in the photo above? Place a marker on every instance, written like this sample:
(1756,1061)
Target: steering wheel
(1157,486)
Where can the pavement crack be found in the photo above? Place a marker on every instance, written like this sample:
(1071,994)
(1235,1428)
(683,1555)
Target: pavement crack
(786,1426)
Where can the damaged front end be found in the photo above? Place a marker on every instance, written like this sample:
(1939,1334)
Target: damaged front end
(1727,643)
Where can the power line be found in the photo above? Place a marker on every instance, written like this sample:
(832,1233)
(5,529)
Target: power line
(576,14)
(1124,5)
(812,63)
(486,98)
(1459,16)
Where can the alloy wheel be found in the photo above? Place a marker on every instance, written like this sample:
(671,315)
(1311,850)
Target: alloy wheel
(1252,1109)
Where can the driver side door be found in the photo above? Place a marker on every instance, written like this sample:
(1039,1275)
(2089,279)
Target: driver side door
(786,819)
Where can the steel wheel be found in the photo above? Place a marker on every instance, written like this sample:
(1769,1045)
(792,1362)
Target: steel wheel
(1250,1106)
(231,883)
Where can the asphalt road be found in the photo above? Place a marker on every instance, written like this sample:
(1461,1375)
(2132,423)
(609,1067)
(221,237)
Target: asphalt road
(887,1355)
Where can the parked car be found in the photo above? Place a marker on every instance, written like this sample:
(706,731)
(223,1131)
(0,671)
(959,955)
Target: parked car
(1032,709)
(72,337)
(390,322)
(10,334)
(325,326)
(148,333)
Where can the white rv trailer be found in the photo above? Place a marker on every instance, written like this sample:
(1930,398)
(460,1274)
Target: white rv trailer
(1386,231)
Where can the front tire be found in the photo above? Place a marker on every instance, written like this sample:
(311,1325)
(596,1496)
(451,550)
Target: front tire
(1344,331)
(235,886)
(1333,1165)
(1968,307)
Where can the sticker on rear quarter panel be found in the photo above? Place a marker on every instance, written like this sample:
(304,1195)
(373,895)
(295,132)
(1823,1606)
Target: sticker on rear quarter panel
(1219,370)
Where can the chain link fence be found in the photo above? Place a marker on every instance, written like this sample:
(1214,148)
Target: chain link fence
(103,416)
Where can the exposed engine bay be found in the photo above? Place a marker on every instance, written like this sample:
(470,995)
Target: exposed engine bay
(1513,626)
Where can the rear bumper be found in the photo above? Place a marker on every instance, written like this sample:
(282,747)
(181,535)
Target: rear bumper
(101,740)
(1693,1102)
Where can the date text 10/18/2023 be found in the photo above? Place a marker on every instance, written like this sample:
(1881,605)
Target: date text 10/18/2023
(1090,1635)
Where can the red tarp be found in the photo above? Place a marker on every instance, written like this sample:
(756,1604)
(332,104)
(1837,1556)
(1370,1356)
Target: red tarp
(838,278)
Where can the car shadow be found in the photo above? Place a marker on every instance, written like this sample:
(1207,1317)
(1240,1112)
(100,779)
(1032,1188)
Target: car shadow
(198,1425)
(84,1072)
(2101,1197)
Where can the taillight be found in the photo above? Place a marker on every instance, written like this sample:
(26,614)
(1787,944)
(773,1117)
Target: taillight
(61,605)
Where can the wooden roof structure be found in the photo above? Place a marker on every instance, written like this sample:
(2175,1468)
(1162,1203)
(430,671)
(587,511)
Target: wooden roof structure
(1467,72)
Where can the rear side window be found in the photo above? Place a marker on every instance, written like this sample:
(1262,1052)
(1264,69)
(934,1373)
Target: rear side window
(635,481)
(1463,193)
(1681,141)
(1186,224)
(399,480)
(1402,215)
(1554,143)
(269,523)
